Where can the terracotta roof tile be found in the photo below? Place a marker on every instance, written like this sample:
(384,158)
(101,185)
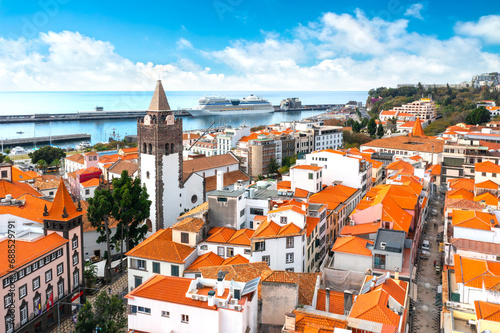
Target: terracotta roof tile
(416,144)
(467,184)
(205,260)
(16,189)
(20,175)
(121,166)
(474,219)
(305,281)
(62,205)
(77,158)
(487,311)
(307,167)
(196,210)
(475,246)
(169,289)
(46,185)
(212,162)
(306,322)
(434,170)
(237,259)
(91,183)
(373,306)
(487,166)
(230,178)
(189,224)
(270,229)
(238,272)
(487,184)
(488,198)
(360,229)
(353,245)
(476,273)
(333,195)
(160,246)
(336,301)
(285,185)
(27,251)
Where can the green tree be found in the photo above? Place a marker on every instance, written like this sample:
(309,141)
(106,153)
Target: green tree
(364,122)
(371,127)
(108,313)
(356,127)
(130,207)
(99,213)
(47,154)
(479,116)
(42,165)
(380,130)
(273,166)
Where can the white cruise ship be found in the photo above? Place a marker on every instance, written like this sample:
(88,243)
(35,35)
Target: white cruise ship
(218,105)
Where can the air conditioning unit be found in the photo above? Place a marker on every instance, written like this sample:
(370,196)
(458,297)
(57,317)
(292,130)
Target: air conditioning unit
(382,245)
(233,302)
(351,222)
(203,298)
(237,307)
(222,303)
(195,297)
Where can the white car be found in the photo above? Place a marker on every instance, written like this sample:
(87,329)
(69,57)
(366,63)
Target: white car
(426,245)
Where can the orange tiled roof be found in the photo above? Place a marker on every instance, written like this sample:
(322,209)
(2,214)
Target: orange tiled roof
(189,224)
(237,259)
(63,208)
(360,229)
(129,150)
(16,189)
(159,246)
(400,165)
(19,175)
(373,306)
(285,185)
(336,301)
(77,158)
(269,229)
(487,311)
(305,281)
(307,167)
(476,273)
(226,235)
(229,178)
(205,260)
(460,193)
(474,219)
(169,289)
(237,272)
(300,193)
(121,165)
(434,170)
(464,183)
(352,245)
(196,210)
(332,196)
(91,182)
(487,184)
(488,198)
(415,143)
(395,288)
(212,162)
(311,223)
(32,209)
(306,322)
(487,167)
(27,251)
(417,128)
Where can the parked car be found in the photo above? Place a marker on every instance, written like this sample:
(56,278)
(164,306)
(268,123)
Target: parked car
(426,245)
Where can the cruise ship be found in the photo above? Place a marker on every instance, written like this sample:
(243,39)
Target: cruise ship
(218,105)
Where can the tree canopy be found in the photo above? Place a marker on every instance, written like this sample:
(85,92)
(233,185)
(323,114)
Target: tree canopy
(479,116)
(108,313)
(47,154)
(371,127)
(380,130)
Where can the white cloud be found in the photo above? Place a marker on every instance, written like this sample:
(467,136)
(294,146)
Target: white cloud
(414,10)
(336,52)
(184,44)
(487,28)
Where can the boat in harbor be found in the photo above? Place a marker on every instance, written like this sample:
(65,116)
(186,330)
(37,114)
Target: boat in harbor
(83,145)
(220,106)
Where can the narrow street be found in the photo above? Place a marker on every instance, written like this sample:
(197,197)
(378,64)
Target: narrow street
(426,314)
(117,287)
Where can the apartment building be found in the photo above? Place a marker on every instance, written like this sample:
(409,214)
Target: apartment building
(424,109)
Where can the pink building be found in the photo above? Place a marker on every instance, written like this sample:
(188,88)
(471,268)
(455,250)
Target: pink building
(48,268)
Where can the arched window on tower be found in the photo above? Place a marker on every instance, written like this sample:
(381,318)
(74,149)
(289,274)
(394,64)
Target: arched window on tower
(171,148)
(144,149)
(150,149)
(167,148)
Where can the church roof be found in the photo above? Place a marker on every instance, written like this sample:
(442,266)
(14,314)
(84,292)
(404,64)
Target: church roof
(159,101)
(417,129)
(63,208)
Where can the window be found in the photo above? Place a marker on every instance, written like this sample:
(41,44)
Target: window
(41,263)
(248,251)
(230,252)
(133,309)
(289,269)
(242,212)
(184,237)
(60,269)
(47,259)
(495,175)
(23,290)
(75,259)
(260,246)
(75,243)
(220,251)
(283,220)
(256,211)
(141,264)
(59,253)
(144,310)
(267,260)
(289,258)
(147,174)
(165,314)
(9,324)
(156,267)
(60,289)
(7,300)
(194,198)
(87,191)
(35,266)
(185,319)
(484,174)
(289,242)
(4,174)
(311,176)
(53,256)
(28,270)
(21,273)
(137,281)
(76,279)
(174,270)
(36,283)
(24,314)
(204,247)
(221,199)
(48,275)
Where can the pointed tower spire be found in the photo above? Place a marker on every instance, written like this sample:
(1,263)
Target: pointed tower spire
(417,128)
(62,205)
(45,211)
(159,101)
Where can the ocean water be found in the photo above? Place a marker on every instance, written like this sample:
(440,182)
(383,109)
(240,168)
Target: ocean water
(14,103)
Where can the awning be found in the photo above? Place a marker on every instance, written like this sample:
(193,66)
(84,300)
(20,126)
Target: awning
(101,264)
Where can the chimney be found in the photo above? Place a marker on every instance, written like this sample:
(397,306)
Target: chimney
(290,321)
(304,207)
(220,180)
(396,274)
(327,300)
(211,298)
(347,301)
(275,206)
(220,283)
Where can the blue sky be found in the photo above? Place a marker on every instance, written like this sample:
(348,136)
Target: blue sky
(242,44)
